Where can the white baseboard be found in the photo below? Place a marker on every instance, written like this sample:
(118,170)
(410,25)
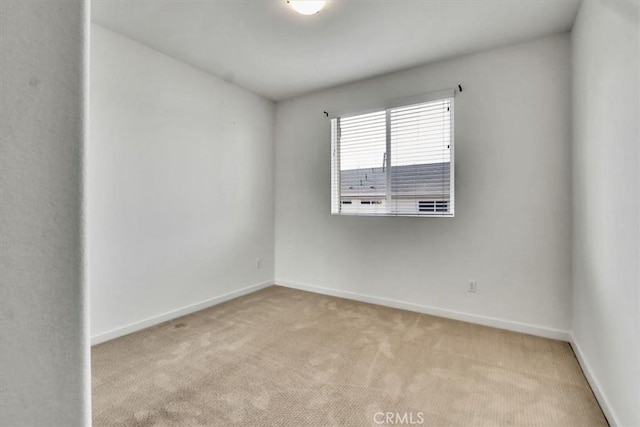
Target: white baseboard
(151,321)
(540,331)
(593,382)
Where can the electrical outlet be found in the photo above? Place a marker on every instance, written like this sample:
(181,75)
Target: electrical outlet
(258,263)
(473,286)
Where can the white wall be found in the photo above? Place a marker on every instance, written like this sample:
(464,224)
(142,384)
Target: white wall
(606,190)
(512,226)
(44,363)
(180,178)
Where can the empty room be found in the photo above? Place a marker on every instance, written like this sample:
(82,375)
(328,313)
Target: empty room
(320,213)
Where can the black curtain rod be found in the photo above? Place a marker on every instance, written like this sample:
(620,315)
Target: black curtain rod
(459,89)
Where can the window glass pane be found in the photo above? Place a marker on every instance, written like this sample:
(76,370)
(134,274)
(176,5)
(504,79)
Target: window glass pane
(420,157)
(362,162)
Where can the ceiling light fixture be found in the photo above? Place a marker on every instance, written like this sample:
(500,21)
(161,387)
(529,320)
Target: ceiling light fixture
(307,7)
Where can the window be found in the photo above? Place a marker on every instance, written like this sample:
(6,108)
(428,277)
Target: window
(395,161)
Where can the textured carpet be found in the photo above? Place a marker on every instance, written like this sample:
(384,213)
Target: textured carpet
(282,357)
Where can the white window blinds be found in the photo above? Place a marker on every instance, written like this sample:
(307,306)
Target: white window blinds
(397,161)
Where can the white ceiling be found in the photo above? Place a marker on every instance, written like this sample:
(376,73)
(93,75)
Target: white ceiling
(264,46)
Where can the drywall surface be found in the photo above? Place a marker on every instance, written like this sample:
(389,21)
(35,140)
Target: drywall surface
(180,185)
(511,232)
(606,194)
(44,363)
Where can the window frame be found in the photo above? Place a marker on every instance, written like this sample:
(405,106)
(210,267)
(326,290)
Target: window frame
(336,203)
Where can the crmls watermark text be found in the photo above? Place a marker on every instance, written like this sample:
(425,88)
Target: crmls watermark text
(399,418)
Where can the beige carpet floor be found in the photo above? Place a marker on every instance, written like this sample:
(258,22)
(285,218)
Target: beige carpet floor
(282,357)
